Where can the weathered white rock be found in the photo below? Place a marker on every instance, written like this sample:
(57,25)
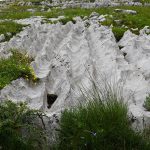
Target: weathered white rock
(133,12)
(21,90)
(67,55)
(9,34)
(145,30)
(137,55)
(56,19)
(31,20)
(2,37)
(117,21)
(31,10)
(101,18)
(93,14)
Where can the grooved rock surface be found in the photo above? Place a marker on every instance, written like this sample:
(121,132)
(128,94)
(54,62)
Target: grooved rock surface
(65,56)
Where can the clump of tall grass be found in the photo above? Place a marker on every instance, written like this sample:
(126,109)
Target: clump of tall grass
(16,66)
(102,123)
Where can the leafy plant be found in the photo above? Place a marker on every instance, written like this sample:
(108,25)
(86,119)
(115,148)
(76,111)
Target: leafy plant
(16,66)
(18,127)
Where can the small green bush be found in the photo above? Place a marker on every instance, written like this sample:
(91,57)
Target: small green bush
(147,103)
(101,124)
(18,128)
(16,66)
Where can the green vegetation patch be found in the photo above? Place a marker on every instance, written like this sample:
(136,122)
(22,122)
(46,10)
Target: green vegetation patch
(10,28)
(16,66)
(17,12)
(68,12)
(118,32)
(118,20)
(139,21)
(101,124)
(19,129)
(15,15)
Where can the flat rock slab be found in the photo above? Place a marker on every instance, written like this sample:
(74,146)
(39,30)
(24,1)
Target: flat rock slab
(132,12)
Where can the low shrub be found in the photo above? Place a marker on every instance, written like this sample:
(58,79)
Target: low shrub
(18,128)
(16,66)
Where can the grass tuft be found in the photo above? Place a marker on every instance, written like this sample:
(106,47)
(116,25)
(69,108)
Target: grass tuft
(100,124)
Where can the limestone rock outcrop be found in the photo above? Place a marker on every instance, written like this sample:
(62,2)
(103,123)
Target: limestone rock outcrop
(66,56)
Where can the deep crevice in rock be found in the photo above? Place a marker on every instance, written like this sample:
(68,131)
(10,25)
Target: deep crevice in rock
(51,98)
(124,54)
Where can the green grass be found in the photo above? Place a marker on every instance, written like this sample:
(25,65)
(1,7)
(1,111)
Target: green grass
(16,66)
(131,21)
(18,128)
(10,27)
(118,32)
(101,124)
(141,19)
(15,15)
(17,12)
